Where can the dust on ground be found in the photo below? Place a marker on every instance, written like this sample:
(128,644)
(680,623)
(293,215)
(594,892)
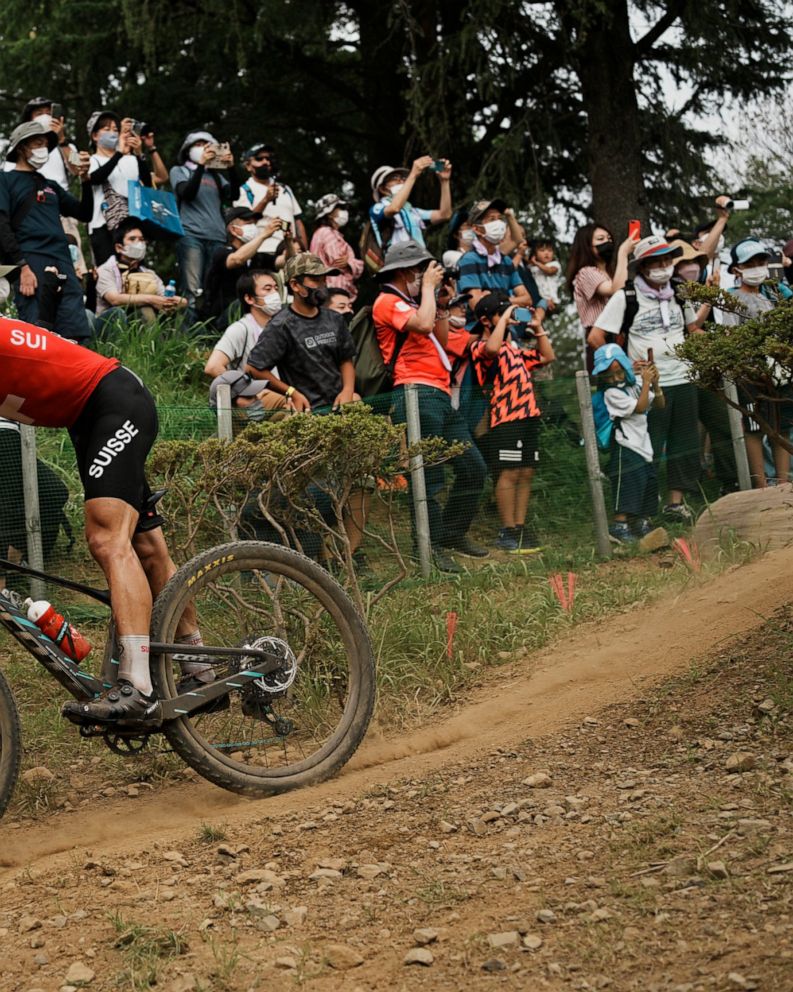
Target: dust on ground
(645,846)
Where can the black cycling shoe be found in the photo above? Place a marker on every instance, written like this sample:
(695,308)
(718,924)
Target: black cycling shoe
(122,705)
(190,683)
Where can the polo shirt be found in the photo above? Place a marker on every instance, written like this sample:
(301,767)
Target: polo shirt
(422,359)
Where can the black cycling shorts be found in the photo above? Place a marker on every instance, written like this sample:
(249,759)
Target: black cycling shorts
(112,437)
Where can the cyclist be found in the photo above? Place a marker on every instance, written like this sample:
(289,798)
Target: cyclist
(112,422)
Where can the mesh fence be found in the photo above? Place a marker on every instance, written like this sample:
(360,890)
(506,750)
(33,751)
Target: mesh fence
(559,511)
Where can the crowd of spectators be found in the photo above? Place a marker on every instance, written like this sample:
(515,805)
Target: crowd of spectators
(472,331)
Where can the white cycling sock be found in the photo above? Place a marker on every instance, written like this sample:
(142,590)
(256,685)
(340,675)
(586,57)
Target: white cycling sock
(202,671)
(133,662)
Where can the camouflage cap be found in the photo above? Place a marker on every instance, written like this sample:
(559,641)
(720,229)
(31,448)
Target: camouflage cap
(306,264)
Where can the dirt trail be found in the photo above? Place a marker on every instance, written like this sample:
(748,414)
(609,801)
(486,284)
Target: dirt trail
(599,664)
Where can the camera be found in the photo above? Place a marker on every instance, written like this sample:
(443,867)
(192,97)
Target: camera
(451,273)
(138,127)
(776,268)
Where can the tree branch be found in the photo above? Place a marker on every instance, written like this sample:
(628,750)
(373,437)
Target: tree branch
(646,42)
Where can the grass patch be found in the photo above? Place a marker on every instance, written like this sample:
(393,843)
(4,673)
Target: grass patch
(209,834)
(145,950)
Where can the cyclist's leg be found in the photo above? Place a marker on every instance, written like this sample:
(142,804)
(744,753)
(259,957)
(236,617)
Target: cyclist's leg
(152,551)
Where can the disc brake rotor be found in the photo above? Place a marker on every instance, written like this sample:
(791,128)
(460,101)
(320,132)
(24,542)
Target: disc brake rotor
(283,677)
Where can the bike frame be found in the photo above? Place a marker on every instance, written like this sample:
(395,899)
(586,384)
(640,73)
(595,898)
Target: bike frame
(85,686)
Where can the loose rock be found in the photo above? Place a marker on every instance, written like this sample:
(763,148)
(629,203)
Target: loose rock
(419,955)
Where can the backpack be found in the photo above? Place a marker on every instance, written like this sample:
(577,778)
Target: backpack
(374,240)
(372,375)
(631,309)
(604,424)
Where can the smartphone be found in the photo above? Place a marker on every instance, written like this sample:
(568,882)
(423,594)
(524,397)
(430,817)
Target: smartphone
(522,314)
(56,111)
(634,229)
(221,151)
(438,165)
(739,204)
(650,356)
(74,157)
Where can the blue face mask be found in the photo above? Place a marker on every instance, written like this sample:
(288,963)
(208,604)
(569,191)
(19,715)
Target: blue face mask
(108,140)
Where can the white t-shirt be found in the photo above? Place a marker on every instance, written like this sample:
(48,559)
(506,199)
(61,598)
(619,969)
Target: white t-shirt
(126,169)
(648,331)
(238,340)
(631,431)
(548,285)
(284,206)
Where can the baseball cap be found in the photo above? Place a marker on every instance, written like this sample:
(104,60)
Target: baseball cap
(36,103)
(481,207)
(238,213)
(241,385)
(653,246)
(606,354)
(405,255)
(31,129)
(255,150)
(307,264)
(744,250)
(492,305)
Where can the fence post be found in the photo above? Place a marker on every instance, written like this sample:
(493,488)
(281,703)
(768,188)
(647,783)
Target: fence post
(226,433)
(599,516)
(225,429)
(30,489)
(738,442)
(418,484)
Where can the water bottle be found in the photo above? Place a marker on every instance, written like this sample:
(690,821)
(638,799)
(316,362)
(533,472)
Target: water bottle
(170,289)
(53,625)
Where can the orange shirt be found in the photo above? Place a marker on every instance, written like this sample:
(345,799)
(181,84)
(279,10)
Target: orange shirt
(420,359)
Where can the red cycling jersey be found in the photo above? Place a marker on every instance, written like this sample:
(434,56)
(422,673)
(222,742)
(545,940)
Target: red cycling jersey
(45,379)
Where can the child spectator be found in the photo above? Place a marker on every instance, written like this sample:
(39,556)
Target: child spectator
(505,364)
(634,484)
(547,271)
(393,218)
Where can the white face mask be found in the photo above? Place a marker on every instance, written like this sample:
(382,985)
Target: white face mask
(396,188)
(38,157)
(248,232)
(660,276)
(457,321)
(467,236)
(495,230)
(45,119)
(755,276)
(270,304)
(5,289)
(341,217)
(196,153)
(136,250)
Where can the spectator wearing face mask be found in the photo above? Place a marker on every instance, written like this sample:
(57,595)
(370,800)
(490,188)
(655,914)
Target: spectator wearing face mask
(203,181)
(483,268)
(393,218)
(125,287)
(115,161)
(260,301)
(758,295)
(659,325)
(459,239)
(329,245)
(690,266)
(61,165)
(596,270)
(338,300)
(268,197)
(242,252)
(31,232)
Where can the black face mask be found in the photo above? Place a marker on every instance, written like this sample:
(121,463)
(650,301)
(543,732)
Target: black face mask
(315,295)
(605,251)
(263,171)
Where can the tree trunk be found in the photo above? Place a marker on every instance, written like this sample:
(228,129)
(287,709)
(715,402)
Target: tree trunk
(606,69)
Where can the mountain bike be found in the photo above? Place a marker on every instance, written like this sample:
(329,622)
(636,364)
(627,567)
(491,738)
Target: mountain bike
(294,682)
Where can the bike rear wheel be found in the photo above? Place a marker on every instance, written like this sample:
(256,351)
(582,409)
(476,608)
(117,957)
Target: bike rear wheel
(289,729)
(10,744)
